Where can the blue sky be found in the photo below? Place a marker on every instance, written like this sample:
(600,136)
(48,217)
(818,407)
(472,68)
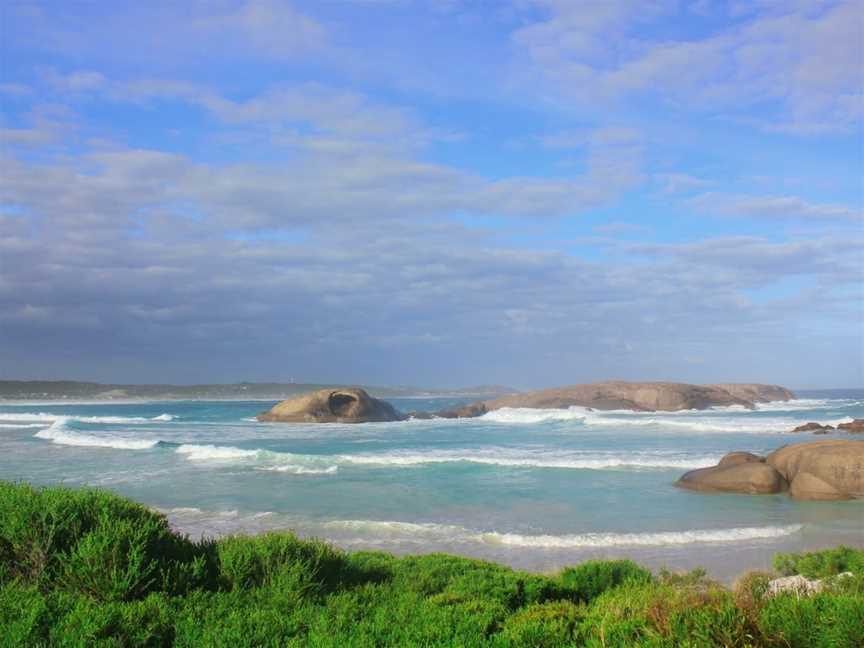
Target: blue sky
(438,193)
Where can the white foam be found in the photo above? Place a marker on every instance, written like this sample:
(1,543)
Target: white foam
(533,415)
(258,459)
(58,433)
(742,424)
(22,425)
(741,534)
(46,417)
(520,457)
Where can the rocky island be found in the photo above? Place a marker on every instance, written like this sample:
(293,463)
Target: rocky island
(348,405)
(637,396)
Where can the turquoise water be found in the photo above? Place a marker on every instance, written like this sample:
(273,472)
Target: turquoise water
(537,489)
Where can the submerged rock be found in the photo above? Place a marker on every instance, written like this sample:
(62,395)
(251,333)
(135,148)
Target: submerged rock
(818,470)
(348,405)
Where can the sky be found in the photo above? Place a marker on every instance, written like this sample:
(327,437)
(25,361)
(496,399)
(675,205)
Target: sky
(440,193)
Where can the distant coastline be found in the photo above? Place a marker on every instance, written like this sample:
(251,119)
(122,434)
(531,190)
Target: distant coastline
(70,390)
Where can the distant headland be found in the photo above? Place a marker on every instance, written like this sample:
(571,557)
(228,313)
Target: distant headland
(354,405)
(77,390)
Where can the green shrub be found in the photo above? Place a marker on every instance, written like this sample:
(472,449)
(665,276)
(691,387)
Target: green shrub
(818,564)
(87,568)
(92,541)
(824,620)
(590,579)
(543,625)
(148,622)
(236,619)
(25,616)
(278,560)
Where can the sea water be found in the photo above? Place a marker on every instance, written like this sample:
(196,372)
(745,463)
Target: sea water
(536,489)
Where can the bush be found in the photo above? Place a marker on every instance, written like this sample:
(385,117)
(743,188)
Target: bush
(543,625)
(92,541)
(279,560)
(149,622)
(825,620)
(587,581)
(819,564)
(25,616)
(82,568)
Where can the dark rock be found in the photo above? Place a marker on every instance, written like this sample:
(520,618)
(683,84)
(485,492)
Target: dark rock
(855,427)
(813,427)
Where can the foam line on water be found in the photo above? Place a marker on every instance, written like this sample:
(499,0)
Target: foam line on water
(526,415)
(258,459)
(741,534)
(45,417)
(58,433)
(393,532)
(520,457)
(269,460)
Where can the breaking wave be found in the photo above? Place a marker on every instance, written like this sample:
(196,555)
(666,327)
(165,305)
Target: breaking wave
(519,457)
(58,433)
(390,532)
(257,459)
(47,418)
(532,415)
(640,539)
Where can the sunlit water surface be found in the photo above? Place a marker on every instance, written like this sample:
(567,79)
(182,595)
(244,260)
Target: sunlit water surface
(537,489)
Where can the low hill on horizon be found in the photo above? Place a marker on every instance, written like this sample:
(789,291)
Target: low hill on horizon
(80,390)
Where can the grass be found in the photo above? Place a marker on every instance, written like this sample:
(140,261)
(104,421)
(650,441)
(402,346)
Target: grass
(88,568)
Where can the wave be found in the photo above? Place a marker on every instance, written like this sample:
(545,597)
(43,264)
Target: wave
(266,460)
(519,457)
(47,418)
(392,532)
(58,433)
(640,539)
(535,415)
(18,426)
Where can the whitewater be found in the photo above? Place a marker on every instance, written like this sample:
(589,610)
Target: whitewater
(537,489)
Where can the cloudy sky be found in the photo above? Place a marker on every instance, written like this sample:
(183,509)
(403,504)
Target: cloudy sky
(437,193)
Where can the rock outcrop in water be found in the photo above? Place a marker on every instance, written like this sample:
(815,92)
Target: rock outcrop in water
(855,427)
(756,393)
(818,470)
(348,405)
(644,396)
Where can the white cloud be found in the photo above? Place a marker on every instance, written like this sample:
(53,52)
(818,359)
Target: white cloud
(805,58)
(779,207)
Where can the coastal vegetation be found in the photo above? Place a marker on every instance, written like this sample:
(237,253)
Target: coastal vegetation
(88,568)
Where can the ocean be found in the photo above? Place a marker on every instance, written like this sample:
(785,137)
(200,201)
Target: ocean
(535,489)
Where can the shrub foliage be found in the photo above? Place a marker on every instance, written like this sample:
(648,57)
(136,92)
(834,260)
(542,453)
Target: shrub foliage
(87,568)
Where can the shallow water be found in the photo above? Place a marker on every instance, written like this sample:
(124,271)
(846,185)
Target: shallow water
(537,489)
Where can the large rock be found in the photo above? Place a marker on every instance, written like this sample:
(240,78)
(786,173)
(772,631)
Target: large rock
(828,469)
(757,393)
(348,405)
(647,396)
(856,426)
(736,473)
(818,470)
